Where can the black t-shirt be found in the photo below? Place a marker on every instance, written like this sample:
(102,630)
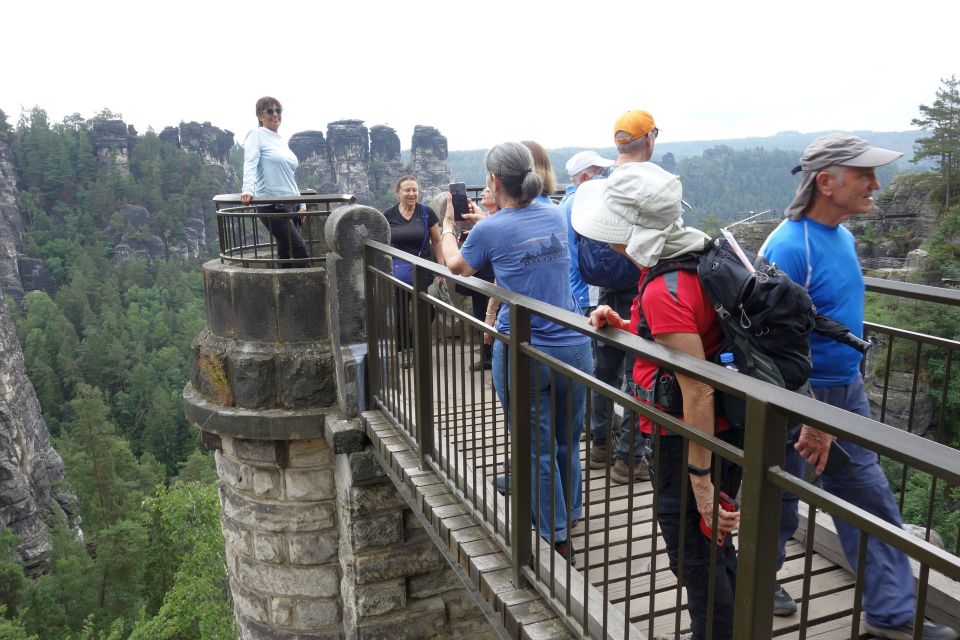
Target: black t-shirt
(407,235)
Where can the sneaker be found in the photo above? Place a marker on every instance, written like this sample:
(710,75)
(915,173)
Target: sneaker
(783,604)
(565,549)
(598,457)
(621,471)
(931,631)
(502,482)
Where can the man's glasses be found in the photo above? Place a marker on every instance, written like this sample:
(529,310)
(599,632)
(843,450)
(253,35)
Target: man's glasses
(273,112)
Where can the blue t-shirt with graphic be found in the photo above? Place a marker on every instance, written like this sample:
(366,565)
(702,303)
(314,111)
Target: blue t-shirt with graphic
(528,251)
(824,260)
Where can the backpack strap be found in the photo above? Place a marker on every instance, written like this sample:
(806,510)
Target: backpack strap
(687,262)
(426,229)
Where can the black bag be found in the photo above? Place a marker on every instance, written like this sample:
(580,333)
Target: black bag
(766,319)
(601,266)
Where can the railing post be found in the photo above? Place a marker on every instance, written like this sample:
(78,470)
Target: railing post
(520,442)
(373,327)
(763,447)
(422,371)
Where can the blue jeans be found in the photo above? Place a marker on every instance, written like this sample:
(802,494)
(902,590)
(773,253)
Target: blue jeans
(888,599)
(609,366)
(553,450)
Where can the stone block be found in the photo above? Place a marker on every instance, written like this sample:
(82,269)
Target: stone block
(315,581)
(252,380)
(237,537)
(256,450)
(422,619)
(460,605)
(219,300)
(249,629)
(306,379)
(370,500)
(313,613)
(248,603)
(377,531)
(375,599)
(396,561)
(232,473)
(268,547)
(266,483)
(254,298)
(309,484)
(281,611)
(209,374)
(315,547)
(301,312)
(433,583)
(345,436)
(277,516)
(358,469)
(314,452)
(470,628)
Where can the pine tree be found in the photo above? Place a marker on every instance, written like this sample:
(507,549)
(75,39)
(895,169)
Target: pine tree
(942,121)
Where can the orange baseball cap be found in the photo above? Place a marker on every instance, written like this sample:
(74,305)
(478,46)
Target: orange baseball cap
(632,125)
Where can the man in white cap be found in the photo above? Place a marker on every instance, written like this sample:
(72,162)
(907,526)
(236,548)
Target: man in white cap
(608,360)
(637,210)
(814,249)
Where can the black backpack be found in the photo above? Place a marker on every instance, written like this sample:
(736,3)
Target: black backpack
(603,267)
(766,319)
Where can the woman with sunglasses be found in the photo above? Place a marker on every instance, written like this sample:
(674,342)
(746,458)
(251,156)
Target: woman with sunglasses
(268,171)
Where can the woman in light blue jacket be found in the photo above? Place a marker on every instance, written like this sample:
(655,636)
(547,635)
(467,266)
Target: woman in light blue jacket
(268,171)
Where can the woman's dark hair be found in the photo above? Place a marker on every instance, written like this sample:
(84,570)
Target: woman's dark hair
(512,163)
(396,185)
(542,165)
(264,103)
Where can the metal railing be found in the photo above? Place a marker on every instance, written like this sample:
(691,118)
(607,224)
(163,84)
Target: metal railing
(617,584)
(253,237)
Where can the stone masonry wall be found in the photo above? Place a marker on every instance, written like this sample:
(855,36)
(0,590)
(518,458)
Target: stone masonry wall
(279,521)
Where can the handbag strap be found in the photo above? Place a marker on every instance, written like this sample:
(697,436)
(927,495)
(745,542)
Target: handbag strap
(426,230)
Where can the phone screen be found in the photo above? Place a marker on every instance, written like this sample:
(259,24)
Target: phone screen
(459,192)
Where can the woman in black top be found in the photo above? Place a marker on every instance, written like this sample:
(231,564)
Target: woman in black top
(414,228)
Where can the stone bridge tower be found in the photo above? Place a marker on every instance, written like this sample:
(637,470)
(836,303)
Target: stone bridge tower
(319,543)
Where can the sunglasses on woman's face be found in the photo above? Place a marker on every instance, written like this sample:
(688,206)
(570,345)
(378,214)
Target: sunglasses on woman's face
(272,112)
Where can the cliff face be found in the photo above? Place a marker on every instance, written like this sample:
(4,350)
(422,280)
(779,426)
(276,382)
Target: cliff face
(353,159)
(904,216)
(11,227)
(112,141)
(29,466)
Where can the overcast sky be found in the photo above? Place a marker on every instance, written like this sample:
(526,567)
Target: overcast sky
(559,73)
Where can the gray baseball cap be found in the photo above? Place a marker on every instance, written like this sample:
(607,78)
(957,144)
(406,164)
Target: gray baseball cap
(831,150)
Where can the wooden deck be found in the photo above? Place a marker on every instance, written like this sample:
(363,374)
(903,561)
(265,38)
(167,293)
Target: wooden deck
(614,543)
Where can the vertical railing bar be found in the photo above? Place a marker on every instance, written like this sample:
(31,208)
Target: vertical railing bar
(553,479)
(373,334)
(655,543)
(520,434)
(714,539)
(682,534)
(588,482)
(858,587)
(886,378)
(568,494)
(941,418)
(807,567)
(631,488)
(923,581)
(423,368)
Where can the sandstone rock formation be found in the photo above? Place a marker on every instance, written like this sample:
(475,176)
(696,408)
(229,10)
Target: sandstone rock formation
(385,164)
(29,467)
(316,166)
(11,227)
(349,144)
(211,143)
(428,159)
(112,140)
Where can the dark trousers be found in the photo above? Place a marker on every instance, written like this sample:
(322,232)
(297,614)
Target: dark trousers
(610,364)
(285,233)
(667,478)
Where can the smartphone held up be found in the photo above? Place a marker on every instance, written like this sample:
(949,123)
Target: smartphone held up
(459,192)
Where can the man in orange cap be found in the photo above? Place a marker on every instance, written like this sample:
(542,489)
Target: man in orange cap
(635,134)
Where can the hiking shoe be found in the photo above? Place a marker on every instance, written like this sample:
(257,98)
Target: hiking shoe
(565,549)
(502,483)
(598,457)
(621,471)
(783,604)
(931,631)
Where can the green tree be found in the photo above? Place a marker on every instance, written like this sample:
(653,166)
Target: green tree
(12,580)
(942,121)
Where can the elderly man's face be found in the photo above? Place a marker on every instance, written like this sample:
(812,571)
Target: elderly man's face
(853,193)
(587,174)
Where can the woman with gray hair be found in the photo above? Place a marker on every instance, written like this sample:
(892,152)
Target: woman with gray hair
(526,244)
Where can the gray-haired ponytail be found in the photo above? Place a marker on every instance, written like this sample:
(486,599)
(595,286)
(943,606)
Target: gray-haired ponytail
(512,163)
